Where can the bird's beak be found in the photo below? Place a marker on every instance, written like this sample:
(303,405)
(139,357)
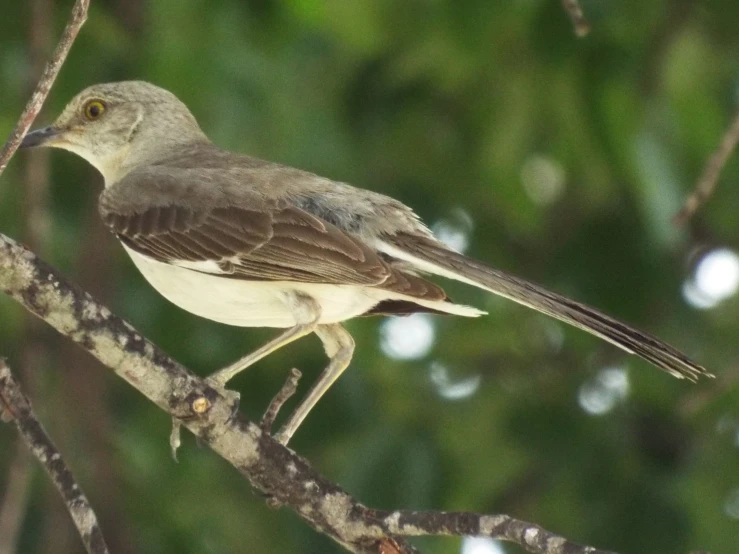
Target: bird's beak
(41,137)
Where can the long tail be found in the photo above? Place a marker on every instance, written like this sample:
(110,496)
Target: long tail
(433,257)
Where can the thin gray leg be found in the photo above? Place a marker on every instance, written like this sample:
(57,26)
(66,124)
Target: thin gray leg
(307,313)
(339,346)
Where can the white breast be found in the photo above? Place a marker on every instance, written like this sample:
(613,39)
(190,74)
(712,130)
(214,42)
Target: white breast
(249,303)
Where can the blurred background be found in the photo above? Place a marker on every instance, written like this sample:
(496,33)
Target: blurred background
(555,158)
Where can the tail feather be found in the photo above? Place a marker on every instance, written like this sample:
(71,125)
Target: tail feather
(428,255)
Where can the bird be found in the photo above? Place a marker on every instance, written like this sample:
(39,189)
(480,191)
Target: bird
(253,243)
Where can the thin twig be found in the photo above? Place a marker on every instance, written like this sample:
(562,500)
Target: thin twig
(175,439)
(287,390)
(33,107)
(579,22)
(16,404)
(709,179)
(35,215)
(13,508)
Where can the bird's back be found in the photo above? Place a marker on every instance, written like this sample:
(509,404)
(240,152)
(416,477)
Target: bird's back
(234,178)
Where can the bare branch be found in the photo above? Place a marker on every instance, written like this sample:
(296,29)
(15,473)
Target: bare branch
(16,405)
(502,527)
(35,234)
(274,470)
(33,107)
(287,390)
(709,179)
(579,22)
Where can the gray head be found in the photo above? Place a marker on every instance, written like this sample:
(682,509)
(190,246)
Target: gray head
(117,126)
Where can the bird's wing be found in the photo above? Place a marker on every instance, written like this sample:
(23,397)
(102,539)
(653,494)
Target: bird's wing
(275,244)
(433,257)
(257,240)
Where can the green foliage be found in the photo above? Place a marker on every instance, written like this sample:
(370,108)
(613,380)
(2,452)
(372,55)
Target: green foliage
(447,105)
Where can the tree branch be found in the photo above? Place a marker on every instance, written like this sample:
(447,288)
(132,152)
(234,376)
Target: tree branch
(15,406)
(709,179)
(287,390)
(33,107)
(579,22)
(274,470)
(502,527)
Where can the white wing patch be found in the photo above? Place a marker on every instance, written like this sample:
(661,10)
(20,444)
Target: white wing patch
(207,266)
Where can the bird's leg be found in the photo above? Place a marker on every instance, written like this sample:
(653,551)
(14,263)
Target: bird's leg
(306,311)
(339,346)
(224,375)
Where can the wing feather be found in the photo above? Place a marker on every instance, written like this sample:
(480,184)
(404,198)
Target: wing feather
(259,240)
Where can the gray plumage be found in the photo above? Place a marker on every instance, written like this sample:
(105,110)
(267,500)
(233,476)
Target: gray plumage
(174,198)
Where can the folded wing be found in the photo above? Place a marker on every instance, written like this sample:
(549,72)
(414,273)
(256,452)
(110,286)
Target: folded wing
(262,240)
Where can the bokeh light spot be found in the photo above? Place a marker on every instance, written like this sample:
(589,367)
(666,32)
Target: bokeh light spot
(600,394)
(480,545)
(716,278)
(731,506)
(543,179)
(454,231)
(450,388)
(407,338)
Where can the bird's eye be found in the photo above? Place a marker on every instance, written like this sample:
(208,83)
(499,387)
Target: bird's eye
(94,109)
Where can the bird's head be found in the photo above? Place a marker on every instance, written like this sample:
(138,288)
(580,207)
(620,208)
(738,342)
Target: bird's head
(116,126)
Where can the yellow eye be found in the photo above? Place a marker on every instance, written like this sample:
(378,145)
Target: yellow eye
(94,109)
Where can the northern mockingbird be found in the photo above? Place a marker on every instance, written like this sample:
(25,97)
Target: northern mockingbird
(253,243)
